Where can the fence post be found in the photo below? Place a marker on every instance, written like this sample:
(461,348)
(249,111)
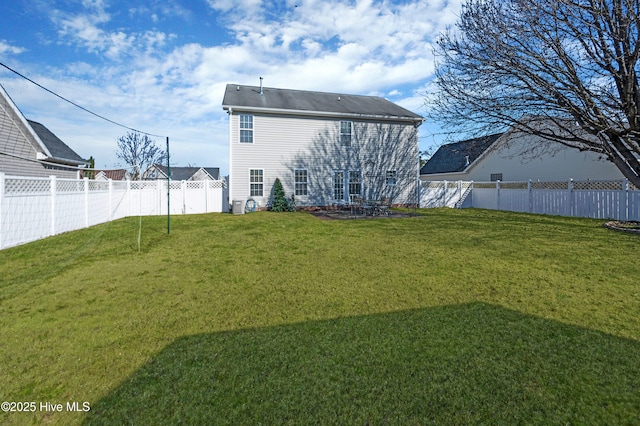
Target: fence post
(129,198)
(110,200)
(624,200)
(86,202)
(571,201)
(2,187)
(530,196)
(183,189)
(498,195)
(53,188)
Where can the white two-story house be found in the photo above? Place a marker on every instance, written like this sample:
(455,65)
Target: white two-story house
(324,147)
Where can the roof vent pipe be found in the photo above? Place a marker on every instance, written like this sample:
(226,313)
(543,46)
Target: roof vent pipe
(261,86)
(466,157)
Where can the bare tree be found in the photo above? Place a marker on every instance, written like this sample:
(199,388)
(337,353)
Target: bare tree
(565,70)
(139,152)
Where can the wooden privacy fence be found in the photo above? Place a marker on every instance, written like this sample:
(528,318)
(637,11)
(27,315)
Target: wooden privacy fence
(35,208)
(617,200)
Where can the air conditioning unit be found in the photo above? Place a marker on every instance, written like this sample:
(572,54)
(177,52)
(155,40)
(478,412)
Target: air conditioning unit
(238,207)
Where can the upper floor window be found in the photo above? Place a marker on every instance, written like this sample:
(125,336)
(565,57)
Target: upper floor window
(391,177)
(496,177)
(345,132)
(246,128)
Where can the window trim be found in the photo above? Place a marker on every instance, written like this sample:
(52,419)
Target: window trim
(391,177)
(338,184)
(252,183)
(343,135)
(301,184)
(248,130)
(357,183)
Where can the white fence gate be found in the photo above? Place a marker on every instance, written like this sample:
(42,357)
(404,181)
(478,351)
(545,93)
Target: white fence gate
(617,200)
(34,208)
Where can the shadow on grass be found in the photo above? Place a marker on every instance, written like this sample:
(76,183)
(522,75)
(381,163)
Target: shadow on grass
(473,363)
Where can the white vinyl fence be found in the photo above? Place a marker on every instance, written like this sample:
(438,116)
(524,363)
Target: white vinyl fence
(617,200)
(35,208)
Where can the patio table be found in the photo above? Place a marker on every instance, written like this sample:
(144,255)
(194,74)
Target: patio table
(371,206)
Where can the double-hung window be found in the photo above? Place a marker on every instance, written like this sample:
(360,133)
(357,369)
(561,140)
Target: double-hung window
(355,183)
(391,177)
(301,181)
(338,185)
(256,182)
(345,132)
(246,128)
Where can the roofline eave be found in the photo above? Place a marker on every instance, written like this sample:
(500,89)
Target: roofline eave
(465,172)
(64,161)
(419,120)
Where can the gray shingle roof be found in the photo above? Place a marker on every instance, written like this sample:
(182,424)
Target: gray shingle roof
(452,158)
(58,149)
(238,96)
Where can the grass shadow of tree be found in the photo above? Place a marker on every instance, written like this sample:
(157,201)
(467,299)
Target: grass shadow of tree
(472,363)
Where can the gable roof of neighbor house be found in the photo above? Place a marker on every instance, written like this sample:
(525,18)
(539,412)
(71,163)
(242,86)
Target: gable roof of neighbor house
(186,173)
(269,99)
(58,149)
(456,157)
(48,147)
(115,174)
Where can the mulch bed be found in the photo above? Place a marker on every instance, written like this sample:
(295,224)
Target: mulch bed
(631,227)
(346,215)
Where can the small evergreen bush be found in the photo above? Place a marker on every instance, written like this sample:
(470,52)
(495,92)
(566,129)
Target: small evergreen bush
(280,202)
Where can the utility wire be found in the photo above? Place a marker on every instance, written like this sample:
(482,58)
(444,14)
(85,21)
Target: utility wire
(78,106)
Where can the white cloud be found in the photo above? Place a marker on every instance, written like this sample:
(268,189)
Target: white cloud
(7,48)
(361,47)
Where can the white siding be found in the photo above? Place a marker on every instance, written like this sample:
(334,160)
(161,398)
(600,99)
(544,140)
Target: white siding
(562,164)
(282,144)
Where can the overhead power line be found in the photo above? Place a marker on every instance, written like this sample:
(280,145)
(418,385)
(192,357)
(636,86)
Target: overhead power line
(78,106)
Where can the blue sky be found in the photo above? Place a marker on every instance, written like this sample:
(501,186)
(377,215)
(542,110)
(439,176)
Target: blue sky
(161,66)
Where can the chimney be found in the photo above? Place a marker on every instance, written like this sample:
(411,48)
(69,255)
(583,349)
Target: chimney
(261,86)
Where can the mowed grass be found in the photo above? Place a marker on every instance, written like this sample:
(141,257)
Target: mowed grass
(452,317)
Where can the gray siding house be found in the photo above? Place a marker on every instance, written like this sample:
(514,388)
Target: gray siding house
(28,148)
(324,147)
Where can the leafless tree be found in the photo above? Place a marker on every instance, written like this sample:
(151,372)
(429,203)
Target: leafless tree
(139,152)
(565,70)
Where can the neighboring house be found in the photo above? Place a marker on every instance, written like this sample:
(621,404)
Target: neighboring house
(116,174)
(157,171)
(28,148)
(514,157)
(324,147)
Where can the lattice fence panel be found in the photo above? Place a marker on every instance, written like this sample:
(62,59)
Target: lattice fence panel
(550,185)
(599,185)
(27,185)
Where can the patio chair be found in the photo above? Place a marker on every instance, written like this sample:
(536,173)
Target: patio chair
(385,205)
(356,204)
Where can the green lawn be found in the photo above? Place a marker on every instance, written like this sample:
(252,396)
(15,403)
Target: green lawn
(453,317)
